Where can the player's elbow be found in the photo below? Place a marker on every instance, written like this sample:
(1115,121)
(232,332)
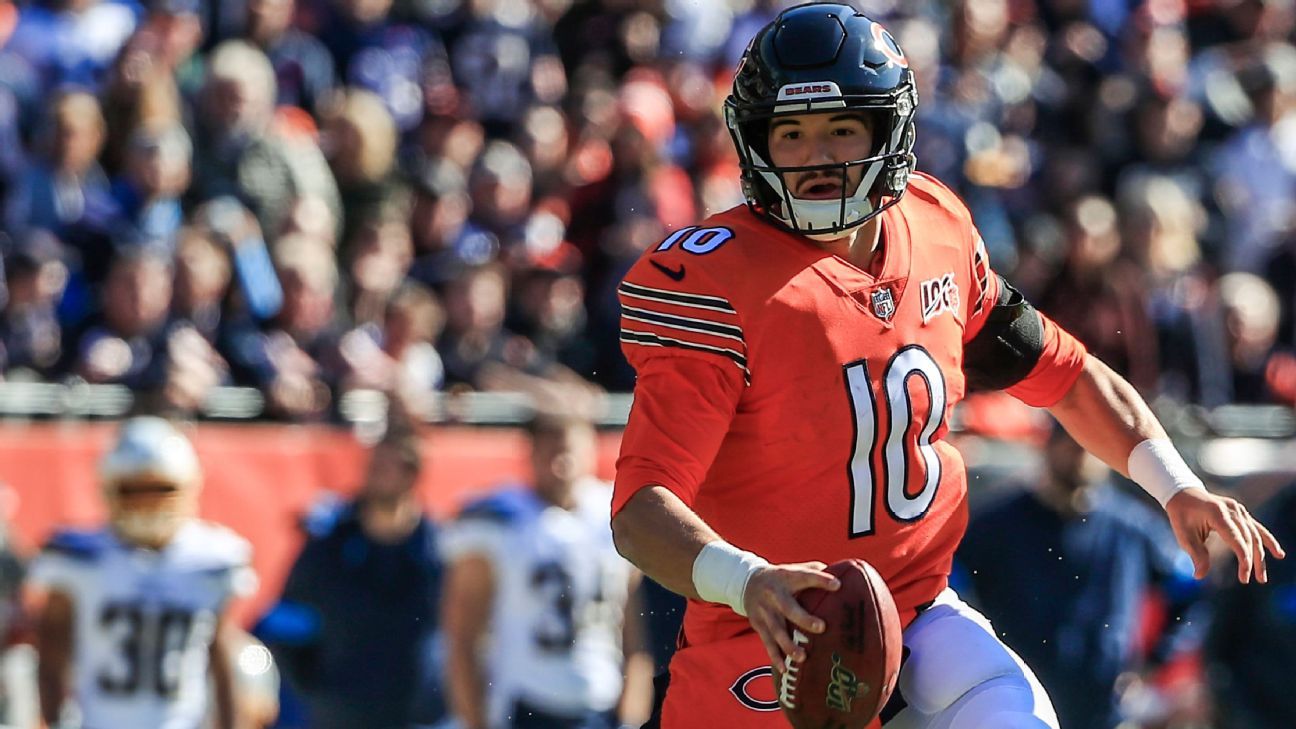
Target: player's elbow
(623,535)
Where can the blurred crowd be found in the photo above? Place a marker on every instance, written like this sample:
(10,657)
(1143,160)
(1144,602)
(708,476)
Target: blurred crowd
(310,196)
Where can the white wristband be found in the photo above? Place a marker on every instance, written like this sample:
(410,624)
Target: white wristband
(721,571)
(1155,465)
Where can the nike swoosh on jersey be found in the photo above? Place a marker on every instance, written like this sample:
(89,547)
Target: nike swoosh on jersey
(671,273)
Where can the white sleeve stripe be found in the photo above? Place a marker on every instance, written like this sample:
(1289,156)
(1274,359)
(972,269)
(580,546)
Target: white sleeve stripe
(650,339)
(688,324)
(697,301)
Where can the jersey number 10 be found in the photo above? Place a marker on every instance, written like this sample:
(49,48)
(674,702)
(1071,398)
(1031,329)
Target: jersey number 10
(897,459)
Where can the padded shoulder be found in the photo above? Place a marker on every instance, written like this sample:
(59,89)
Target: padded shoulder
(215,548)
(508,506)
(933,191)
(324,515)
(81,545)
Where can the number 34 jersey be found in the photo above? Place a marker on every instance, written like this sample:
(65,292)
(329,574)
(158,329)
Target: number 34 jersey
(559,601)
(799,403)
(144,619)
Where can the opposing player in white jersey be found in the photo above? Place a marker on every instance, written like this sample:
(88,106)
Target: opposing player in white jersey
(132,612)
(536,606)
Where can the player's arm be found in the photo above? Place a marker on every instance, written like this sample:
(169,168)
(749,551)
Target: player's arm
(681,413)
(221,667)
(636,702)
(1106,415)
(466,607)
(54,653)
(1013,347)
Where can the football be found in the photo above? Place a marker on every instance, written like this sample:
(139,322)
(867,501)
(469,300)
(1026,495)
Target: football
(851,668)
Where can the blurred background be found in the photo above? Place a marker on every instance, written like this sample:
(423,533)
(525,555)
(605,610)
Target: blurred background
(276,218)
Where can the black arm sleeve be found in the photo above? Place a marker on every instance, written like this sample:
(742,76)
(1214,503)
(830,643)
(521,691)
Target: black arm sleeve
(1006,349)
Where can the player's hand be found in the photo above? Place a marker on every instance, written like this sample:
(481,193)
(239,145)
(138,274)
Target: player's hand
(770,600)
(1195,513)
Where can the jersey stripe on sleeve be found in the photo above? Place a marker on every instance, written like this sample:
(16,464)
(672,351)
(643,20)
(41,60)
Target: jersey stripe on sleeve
(696,301)
(654,317)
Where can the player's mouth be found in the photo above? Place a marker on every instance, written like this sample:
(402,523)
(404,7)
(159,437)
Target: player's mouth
(819,189)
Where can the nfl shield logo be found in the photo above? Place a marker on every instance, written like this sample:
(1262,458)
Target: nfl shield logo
(883,304)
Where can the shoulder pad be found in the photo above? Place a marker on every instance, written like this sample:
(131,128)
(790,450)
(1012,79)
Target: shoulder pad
(219,548)
(508,506)
(79,544)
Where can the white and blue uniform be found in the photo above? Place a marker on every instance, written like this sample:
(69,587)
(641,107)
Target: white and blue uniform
(560,595)
(144,620)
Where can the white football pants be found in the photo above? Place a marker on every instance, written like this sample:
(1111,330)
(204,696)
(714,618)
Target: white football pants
(959,675)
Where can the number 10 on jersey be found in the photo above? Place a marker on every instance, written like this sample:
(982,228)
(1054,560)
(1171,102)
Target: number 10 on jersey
(900,452)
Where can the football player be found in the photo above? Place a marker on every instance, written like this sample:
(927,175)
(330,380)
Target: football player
(536,571)
(132,613)
(797,361)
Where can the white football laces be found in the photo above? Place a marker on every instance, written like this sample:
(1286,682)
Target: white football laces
(791,673)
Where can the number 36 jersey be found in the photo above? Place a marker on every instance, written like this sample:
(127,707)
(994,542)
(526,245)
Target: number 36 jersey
(798,403)
(144,619)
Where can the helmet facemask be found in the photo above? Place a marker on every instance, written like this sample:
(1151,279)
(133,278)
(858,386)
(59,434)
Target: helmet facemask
(149,511)
(885,171)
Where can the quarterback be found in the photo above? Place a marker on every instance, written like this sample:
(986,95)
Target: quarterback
(797,361)
(132,613)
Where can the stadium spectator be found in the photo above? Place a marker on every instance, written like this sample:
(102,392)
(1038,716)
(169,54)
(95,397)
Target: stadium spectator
(359,140)
(549,310)
(1097,294)
(176,30)
(140,92)
(30,336)
(380,257)
(388,57)
(396,354)
(1253,637)
(1062,570)
(540,629)
(293,355)
(67,191)
(155,176)
(72,41)
(500,187)
(304,70)
(355,630)
(202,282)
(126,340)
(505,59)
(240,151)
(1255,169)
(445,241)
(475,345)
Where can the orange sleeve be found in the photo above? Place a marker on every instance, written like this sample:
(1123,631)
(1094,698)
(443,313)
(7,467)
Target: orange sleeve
(683,405)
(1056,371)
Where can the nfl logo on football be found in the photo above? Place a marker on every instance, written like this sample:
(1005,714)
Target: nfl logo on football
(883,304)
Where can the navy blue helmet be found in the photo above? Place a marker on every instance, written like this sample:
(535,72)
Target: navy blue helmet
(823,57)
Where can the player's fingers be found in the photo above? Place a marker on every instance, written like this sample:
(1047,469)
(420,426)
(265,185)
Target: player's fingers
(1225,524)
(771,646)
(1259,568)
(1271,542)
(799,616)
(803,578)
(1193,542)
(784,642)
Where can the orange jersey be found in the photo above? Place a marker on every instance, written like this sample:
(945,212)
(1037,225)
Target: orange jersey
(798,404)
